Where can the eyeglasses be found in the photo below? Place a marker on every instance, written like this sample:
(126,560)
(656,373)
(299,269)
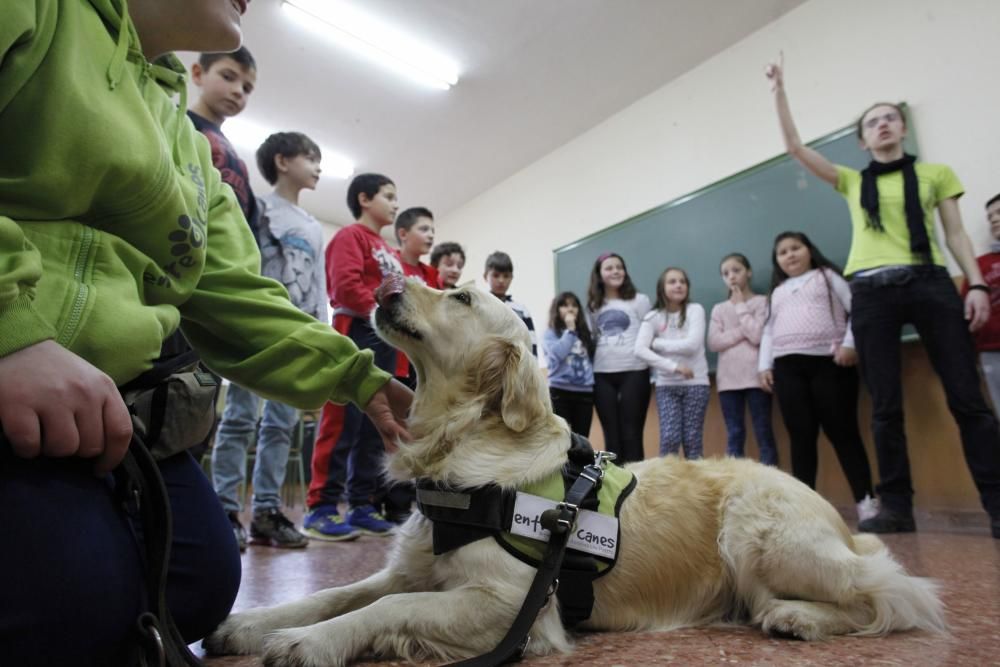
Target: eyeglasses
(873,122)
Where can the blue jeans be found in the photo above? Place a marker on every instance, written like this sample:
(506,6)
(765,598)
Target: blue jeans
(71,570)
(925,297)
(733,403)
(237,430)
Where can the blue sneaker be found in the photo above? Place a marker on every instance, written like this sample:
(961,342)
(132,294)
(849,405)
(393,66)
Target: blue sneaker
(365,519)
(324,523)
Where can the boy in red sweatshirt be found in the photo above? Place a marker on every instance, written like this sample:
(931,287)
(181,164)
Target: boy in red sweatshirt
(357,260)
(988,337)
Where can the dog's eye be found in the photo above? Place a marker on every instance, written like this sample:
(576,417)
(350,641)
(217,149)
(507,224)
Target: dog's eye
(462,297)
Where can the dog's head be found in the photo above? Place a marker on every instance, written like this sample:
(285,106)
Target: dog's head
(466,345)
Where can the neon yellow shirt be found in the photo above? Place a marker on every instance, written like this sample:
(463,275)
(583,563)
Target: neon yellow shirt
(872,248)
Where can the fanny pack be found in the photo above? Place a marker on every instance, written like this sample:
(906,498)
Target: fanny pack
(173,405)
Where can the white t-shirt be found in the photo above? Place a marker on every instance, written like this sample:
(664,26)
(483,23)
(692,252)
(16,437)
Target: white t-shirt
(615,326)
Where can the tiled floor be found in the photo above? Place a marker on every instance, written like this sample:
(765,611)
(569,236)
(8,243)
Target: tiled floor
(955,550)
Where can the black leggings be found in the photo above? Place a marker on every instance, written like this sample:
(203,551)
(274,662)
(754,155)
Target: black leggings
(813,392)
(576,407)
(622,400)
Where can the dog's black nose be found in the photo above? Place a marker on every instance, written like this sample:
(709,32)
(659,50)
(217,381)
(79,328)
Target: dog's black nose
(392,286)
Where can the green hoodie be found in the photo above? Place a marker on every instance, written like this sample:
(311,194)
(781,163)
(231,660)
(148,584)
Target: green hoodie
(115,227)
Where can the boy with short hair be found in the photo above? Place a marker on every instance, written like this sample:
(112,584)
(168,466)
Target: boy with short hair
(449,260)
(98,265)
(498,275)
(415,233)
(358,259)
(226,81)
(988,337)
(291,244)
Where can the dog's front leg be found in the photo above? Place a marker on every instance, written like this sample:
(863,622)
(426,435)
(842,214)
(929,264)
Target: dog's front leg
(448,625)
(244,632)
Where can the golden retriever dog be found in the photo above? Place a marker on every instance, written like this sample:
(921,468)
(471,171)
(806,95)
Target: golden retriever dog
(701,541)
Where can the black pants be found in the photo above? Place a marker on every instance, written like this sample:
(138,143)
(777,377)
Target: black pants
(576,407)
(622,400)
(814,392)
(925,297)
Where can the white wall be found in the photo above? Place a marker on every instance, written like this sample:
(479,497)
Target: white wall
(840,56)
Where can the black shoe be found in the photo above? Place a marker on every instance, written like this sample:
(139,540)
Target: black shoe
(888,521)
(272,528)
(238,531)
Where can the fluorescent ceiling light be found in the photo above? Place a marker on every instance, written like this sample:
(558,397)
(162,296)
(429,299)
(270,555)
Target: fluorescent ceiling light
(250,136)
(369,37)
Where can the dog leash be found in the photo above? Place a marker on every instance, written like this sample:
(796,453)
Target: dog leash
(559,522)
(140,485)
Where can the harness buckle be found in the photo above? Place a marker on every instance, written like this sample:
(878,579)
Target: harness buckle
(562,521)
(603,458)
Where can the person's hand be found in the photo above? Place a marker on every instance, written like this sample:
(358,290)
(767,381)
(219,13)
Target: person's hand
(55,404)
(845,356)
(977,309)
(685,371)
(766,379)
(570,322)
(736,294)
(387,409)
(775,73)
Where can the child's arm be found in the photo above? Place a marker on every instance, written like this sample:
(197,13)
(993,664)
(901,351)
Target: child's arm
(557,348)
(977,302)
(694,335)
(809,158)
(348,264)
(752,319)
(843,354)
(765,360)
(720,338)
(644,339)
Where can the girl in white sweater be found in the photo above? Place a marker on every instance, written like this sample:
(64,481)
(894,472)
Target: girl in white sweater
(672,341)
(807,358)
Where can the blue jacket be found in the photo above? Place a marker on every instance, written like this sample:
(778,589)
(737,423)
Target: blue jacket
(570,367)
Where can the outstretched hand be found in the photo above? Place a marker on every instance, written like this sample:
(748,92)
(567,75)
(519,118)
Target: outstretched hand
(388,409)
(54,403)
(977,309)
(775,73)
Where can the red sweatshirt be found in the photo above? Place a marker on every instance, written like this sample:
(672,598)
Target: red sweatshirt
(429,275)
(357,259)
(988,338)
(425,272)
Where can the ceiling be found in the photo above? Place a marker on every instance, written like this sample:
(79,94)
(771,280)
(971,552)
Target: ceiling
(533,75)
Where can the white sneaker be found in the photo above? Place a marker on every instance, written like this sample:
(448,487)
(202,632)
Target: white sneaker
(867,508)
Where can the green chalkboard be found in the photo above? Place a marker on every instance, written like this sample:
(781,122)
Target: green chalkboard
(742,213)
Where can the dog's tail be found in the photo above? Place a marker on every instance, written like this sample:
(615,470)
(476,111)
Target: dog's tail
(899,601)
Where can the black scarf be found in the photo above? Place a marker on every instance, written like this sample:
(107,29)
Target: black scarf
(920,243)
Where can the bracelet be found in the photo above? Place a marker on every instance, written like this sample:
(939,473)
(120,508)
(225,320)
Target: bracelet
(981,288)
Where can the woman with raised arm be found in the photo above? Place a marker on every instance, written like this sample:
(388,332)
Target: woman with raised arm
(898,276)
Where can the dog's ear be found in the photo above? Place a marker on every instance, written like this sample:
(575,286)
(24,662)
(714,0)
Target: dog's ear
(506,376)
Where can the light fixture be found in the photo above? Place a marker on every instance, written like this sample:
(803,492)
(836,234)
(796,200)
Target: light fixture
(249,135)
(371,38)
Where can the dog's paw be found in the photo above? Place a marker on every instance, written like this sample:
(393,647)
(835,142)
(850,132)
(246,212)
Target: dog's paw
(313,646)
(791,623)
(239,634)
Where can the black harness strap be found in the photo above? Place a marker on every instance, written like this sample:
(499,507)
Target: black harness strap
(140,484)
(559,522)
